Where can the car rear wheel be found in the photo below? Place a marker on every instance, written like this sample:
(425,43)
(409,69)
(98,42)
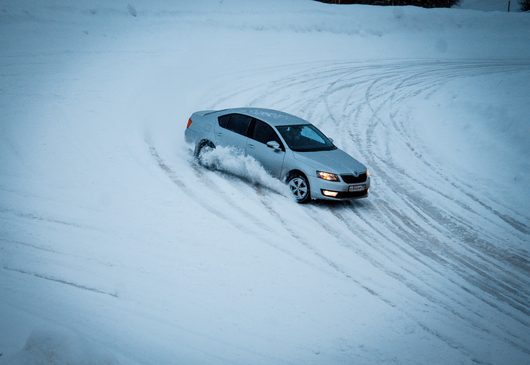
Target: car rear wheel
(299,187)
(203,146)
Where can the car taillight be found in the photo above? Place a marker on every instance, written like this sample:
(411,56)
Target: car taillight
(189,123)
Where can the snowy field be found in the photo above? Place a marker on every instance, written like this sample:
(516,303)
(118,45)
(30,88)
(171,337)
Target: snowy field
(116,248)
(490,5)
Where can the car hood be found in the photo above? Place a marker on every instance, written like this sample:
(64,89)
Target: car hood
(336,161)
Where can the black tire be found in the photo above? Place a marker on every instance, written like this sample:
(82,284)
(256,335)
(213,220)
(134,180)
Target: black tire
(201,147)
(299,187)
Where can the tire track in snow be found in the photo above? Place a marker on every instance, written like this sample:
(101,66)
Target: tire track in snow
(40,218)
(395,183)
(385,86)
(61,281)
(189,191)
(438,218)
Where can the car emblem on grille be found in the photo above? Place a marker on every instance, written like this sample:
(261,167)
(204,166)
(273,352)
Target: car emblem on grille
(356,174)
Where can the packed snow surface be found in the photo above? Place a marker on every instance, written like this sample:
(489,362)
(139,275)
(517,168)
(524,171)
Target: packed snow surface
(116,247)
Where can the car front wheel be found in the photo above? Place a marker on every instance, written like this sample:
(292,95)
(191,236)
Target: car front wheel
(299,187)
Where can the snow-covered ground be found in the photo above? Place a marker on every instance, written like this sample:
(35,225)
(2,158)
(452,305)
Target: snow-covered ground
(116,248)
(490,5)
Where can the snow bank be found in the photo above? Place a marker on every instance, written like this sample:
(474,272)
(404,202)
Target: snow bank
(489,5)
(459,31)
(479,126)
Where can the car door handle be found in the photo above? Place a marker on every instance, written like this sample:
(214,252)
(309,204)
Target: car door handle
(219,134)
(250,145)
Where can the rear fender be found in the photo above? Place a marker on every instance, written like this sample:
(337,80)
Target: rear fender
(201,127)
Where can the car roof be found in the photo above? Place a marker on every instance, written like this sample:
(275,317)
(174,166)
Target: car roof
(271,116)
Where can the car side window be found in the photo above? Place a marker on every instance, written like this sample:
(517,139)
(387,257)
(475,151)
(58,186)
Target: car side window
(223,120)
(264,133)
(237,123)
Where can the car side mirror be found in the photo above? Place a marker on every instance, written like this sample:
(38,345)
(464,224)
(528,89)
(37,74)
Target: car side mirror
(274,145)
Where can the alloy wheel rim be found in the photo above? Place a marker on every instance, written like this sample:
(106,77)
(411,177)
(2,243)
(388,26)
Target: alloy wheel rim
(298,188)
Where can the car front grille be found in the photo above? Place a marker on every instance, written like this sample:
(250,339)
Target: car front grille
(352,194)
(352,179)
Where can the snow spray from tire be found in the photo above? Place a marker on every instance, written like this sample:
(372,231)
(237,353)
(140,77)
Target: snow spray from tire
(232,161)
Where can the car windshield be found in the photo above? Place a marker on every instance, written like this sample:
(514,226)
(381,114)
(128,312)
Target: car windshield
(305,138)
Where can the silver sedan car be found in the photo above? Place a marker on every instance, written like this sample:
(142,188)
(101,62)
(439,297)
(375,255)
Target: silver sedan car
(288,147)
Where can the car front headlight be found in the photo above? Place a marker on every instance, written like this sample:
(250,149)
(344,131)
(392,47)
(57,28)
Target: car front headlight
(327,176)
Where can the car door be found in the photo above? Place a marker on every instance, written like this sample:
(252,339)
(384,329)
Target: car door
(232,130)
(259,134)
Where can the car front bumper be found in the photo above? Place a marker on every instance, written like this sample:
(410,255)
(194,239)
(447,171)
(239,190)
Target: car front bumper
(344,191)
